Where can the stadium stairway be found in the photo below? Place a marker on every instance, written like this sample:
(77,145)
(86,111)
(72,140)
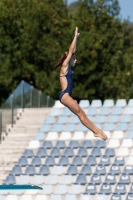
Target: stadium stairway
(17,137)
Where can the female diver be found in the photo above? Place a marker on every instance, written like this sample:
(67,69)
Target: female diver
(67,61)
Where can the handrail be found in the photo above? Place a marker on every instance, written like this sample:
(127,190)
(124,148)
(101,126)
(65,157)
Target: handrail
(24,96)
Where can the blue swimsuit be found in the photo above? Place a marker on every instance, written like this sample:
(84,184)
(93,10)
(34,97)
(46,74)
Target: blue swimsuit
(69,77)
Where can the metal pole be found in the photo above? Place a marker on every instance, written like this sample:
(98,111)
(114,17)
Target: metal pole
(0,124)
(47,104)
(12,110)
(39,98)
(22,95)
(31,96)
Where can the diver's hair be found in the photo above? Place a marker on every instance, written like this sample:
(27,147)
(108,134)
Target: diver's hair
(60,62)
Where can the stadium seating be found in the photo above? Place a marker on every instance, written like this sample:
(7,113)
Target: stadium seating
(66,160)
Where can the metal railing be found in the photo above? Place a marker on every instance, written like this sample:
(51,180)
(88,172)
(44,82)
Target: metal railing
(24,96)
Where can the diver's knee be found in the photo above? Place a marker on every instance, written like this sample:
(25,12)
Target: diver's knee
(81,114)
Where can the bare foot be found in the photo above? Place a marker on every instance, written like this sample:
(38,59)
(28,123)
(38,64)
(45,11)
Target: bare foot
(100,134)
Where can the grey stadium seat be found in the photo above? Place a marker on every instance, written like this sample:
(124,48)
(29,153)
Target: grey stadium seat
(100,144)
(81,179)
(105,160)
(120,189)
(109,152)
(36,161)
(86,170)
(60,144)
(50,161)
(10,179)
(47,144)
(72,170)
(87,144)
(110,179)
(131,188)
(96,152)
(128,170)
(115,169)
(91,160)
(119,160)
(44,170)
(55,152)
(77,160)
(30,170)
(23,161)
(82,152)
(16,171)
(100,169)
(28,153)
(63,161)
(129,196)
(73,144)
(69,152)
(105,189)
(125,178)
(116,196)
(42,153)
(96,179)
(90,189)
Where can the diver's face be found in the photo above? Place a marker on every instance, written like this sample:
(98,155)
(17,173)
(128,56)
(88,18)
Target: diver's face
(73,60)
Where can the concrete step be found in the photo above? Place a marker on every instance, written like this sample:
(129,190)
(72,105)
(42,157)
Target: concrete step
(25,128)
(28,121)
(17,138)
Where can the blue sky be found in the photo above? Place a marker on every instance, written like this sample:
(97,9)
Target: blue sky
(126,8)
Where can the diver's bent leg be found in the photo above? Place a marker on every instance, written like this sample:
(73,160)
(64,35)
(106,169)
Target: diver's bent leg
(76,109)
